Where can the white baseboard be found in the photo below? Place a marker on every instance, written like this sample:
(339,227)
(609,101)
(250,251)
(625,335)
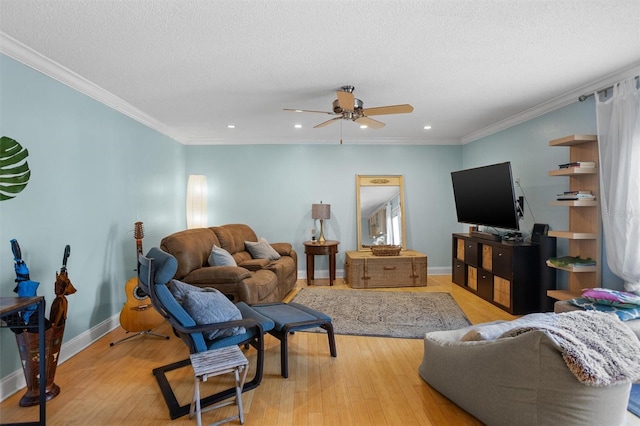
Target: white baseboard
(324,274)
(439,270)
(320,274)
(15,381)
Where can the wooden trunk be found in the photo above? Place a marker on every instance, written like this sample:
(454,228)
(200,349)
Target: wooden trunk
(365,270)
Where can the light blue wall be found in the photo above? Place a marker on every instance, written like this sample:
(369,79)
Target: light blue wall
(272,188)
(94,173)
(527,147)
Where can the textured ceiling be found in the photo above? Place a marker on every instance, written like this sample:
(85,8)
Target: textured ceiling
(193,67)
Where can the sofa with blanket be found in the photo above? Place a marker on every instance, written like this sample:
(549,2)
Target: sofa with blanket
(233,260)
(624,305)
(542,369)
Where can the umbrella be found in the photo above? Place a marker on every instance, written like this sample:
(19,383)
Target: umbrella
(25,287)
(63,287)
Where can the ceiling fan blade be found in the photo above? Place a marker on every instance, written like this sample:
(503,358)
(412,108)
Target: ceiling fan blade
(370,122)
(391,109)
(346,100)
(307,110)
(326,123)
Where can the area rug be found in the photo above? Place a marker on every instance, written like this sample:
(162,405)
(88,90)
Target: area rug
(384,313)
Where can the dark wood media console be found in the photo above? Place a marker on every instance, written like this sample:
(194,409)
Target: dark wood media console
(511,275)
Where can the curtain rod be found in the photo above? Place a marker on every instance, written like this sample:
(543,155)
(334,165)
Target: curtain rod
(583,98)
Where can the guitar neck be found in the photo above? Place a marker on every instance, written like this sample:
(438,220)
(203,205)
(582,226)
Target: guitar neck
(138,234)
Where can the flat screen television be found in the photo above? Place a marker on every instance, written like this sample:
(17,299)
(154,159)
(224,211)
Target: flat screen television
(485,196)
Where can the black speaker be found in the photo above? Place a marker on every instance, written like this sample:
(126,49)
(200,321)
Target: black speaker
(538,229)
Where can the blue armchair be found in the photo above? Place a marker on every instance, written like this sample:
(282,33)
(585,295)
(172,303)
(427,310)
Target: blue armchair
(155,271)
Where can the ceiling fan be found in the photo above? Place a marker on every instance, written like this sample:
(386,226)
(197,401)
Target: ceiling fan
(348,107)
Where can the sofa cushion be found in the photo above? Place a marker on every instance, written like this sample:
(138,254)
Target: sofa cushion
(221,257)
(217,275)
(191,248)
(254,264)
(283,249)
(233,236)
(207,306)
(261,250)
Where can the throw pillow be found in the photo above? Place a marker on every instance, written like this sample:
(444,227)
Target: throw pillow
(221,257)
(179,289)
(208,307)
(261,250)
(625,314)
(606,296)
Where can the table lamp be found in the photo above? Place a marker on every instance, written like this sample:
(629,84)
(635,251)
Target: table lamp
(322,212)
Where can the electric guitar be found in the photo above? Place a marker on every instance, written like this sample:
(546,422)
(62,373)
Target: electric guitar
(138,314)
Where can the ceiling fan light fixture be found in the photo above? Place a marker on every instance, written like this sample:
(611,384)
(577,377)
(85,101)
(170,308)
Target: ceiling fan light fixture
(298,126)
(231,126)
(357,106)
(427,127)
(348,107)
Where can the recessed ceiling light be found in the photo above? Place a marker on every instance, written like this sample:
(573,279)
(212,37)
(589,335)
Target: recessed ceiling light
(298,126)
(427,127)
(363,126)
(231,126)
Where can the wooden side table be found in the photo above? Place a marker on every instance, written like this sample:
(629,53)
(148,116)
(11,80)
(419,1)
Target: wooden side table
(313,248)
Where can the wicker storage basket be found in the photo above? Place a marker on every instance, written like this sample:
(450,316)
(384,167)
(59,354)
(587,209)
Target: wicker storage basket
(386,250)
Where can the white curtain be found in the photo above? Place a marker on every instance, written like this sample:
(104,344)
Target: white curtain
(619,145)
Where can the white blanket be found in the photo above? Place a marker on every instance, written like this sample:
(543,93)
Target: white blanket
(597,347)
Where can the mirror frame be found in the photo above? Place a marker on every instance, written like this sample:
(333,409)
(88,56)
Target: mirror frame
(379,180)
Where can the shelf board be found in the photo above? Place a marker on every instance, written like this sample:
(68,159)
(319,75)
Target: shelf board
(574,235)
(562,294)
(573,140)
(572,171)
(575,203)
(577,269)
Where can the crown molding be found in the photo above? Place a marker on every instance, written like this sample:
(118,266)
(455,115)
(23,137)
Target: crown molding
(553,104)
(29,57)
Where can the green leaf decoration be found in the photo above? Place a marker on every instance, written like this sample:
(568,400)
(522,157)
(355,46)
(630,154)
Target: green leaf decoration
(14,169)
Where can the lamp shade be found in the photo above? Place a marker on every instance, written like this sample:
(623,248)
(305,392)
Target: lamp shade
(197,202)
(320,211)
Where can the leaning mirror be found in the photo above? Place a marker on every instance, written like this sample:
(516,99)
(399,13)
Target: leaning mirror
(380,210)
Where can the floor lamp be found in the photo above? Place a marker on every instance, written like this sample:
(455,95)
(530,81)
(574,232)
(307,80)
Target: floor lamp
(197,202)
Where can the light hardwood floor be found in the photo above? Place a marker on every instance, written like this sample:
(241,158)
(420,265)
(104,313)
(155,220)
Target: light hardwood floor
(373,381)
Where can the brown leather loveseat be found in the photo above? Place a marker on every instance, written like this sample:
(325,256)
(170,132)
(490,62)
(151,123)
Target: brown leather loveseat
(253,280)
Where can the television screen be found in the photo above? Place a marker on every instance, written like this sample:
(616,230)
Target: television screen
(485,196)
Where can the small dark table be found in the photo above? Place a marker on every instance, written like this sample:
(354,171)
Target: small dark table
(313,248)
